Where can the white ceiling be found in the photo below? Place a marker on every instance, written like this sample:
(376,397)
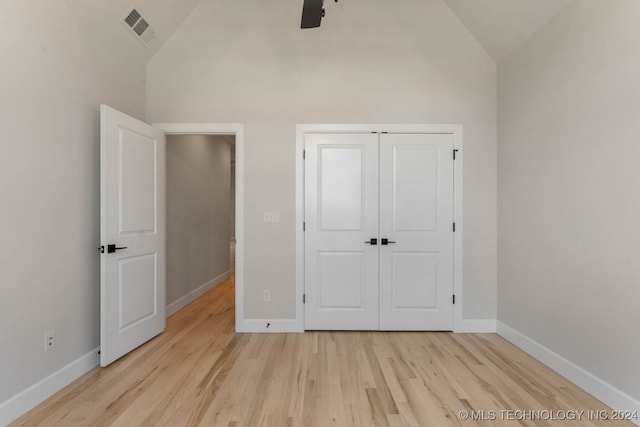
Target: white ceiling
(501,26)
(106,37)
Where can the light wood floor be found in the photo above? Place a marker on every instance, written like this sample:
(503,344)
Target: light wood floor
(200,373)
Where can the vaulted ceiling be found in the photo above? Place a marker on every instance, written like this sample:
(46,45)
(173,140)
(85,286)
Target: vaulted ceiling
(102,28)
(500,26)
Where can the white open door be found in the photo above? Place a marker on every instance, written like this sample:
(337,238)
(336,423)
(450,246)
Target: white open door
(132,233)
(416,231)
(341,205)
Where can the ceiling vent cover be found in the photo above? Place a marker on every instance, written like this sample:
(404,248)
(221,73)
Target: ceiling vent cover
(139,27)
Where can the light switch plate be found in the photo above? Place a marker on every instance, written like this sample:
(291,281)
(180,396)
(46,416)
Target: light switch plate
(271,216)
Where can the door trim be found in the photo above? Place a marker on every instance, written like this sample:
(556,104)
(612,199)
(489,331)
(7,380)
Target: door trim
(236,129)
(456,130)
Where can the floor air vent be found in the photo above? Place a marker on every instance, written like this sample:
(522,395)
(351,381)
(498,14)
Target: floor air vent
(139,27)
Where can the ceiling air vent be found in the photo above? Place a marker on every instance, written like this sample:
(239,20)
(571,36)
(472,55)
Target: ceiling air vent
(139,27)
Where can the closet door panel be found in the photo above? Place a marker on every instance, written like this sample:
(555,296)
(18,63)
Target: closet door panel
(416,218)
(341,214)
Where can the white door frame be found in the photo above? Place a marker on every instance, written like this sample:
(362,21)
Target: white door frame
(236,129)
(455,129)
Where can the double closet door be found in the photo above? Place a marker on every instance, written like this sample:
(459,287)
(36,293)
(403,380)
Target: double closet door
(379,231)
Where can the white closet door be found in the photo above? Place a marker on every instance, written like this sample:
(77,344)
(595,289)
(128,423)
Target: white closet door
(416,216)
(341,214)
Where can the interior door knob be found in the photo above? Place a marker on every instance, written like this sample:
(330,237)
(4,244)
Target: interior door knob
(385,242)
(112,248)
(372,242)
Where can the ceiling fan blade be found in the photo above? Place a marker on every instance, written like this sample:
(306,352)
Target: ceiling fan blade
(311,13)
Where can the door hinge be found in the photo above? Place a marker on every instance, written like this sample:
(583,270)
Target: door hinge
(304,154)
(454,227)
(304,298)
(304,226)
(454,298)
(454,153)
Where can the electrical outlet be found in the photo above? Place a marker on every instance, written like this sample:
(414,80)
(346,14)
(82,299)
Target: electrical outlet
(271,216)
(49,341)
(266,295)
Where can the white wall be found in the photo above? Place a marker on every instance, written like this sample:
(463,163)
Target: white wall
(569,185)
(49,188)
(198,205)
(371,62)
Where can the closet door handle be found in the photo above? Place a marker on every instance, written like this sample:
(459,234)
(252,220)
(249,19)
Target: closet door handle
(385,242)
(372,242)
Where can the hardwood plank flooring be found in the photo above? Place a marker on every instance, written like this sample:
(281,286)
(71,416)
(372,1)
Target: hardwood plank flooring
(200,373)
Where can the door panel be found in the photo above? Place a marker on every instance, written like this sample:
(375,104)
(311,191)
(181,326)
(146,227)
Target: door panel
(415,188)
(132,299)
(416,212)
(341,213)
(341,280)
(136,182)
(415,277)
(341,188)
(137,282)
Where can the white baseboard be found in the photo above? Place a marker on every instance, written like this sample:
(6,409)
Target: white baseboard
(593,385)
(268,326)
(182,302)
(28,399)
(477,326)
(292,325)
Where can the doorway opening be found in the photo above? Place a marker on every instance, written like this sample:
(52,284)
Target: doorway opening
(236,132)
(200,216)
